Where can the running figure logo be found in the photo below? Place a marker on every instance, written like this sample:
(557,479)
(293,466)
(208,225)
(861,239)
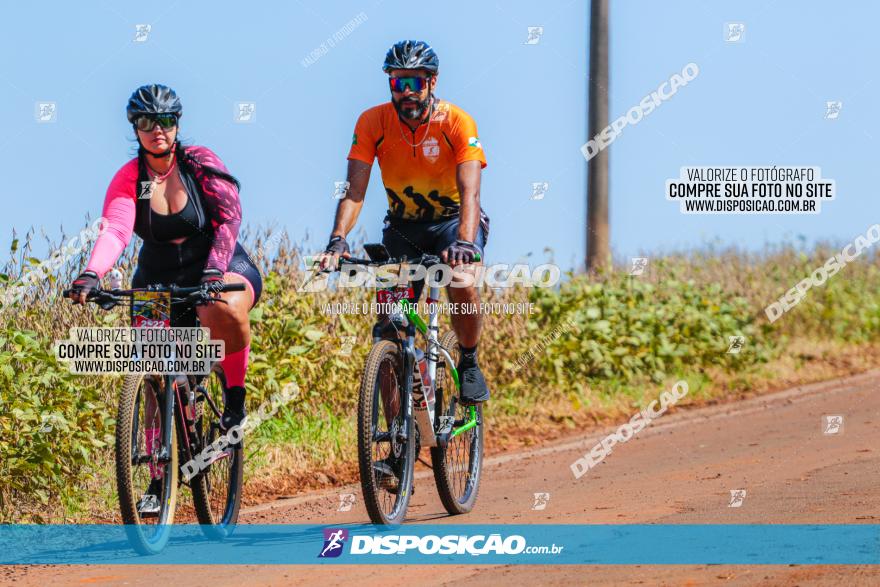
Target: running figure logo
(539,189)
(333,540)
(147,188)
(737,496)
(340,189)
(46,111)
(142,32)
(346,501)
(535,34)
(832,109)
(446,423)
(347,344)
(734,32)
(541,501)
(639,264)
(736,344)
(833,425)
(245,112)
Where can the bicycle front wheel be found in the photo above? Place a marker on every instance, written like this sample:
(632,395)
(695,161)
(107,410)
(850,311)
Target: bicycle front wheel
(386,457)
(139,434)
(456,466)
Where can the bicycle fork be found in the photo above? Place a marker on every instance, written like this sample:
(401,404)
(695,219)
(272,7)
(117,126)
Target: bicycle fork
(409,360)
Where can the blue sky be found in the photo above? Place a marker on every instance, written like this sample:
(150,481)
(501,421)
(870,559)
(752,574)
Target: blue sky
(759,102)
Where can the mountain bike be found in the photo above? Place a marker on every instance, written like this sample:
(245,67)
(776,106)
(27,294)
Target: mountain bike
(165,420)
(408,399)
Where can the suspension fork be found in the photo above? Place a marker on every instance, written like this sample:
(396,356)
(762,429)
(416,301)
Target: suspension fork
(409,360)
(433,335)
(167,418)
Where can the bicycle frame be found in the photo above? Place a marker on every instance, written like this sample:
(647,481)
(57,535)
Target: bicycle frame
(425,400)
(423,404)
(172,414)
(172,407)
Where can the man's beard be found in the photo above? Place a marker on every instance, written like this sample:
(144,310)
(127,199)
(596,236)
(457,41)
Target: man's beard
(416,113)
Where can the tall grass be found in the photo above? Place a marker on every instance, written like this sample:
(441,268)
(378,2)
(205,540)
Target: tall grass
(593,343)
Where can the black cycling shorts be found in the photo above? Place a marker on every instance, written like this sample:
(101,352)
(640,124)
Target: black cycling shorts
(413,239)
(182,265)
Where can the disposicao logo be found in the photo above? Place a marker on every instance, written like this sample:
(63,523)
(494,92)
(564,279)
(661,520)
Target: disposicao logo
(334,538)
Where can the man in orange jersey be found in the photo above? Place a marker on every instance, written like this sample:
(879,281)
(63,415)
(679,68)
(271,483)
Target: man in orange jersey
(431,159)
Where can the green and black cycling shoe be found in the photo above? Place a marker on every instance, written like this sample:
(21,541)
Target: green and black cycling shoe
(473,385)
(233,409)
(148,504)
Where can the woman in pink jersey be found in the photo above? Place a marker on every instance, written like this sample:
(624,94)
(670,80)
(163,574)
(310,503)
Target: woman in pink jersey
(184,204)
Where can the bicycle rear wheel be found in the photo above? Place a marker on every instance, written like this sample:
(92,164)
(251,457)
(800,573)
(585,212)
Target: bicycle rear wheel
(141,406)
(385,457)
(456,466)
(217,489)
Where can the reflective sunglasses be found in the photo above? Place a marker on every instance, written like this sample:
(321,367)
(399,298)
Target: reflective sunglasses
(148,123)
(416,84)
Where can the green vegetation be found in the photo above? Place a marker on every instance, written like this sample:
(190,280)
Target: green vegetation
(594,344)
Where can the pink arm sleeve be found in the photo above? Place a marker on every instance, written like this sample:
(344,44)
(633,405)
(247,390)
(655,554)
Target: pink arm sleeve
(119,215)
(224,209)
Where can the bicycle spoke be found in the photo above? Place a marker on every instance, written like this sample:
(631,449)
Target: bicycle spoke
(457,465)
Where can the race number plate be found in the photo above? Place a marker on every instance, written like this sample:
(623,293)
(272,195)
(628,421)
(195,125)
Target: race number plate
(151,309)
(388,296)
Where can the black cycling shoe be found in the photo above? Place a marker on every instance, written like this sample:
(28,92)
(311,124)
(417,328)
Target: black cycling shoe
(473,385)
(148,504)
(233,409)
(386,474)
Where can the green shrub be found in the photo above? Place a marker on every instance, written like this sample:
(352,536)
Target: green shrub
(593,340)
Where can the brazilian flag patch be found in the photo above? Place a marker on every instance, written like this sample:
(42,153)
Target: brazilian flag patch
(354,139)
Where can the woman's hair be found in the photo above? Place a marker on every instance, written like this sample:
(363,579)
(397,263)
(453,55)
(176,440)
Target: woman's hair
(189,163)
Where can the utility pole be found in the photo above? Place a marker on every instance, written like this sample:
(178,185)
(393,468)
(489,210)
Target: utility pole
(598,241)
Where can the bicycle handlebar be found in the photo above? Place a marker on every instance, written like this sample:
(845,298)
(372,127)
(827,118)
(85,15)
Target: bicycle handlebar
(107,298)
(426,260)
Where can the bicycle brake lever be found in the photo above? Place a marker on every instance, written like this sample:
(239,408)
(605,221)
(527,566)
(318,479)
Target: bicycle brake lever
(108,304)
(203,297)
(104,299)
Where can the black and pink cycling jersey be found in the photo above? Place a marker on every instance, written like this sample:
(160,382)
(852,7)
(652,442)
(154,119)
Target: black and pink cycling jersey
(211,235)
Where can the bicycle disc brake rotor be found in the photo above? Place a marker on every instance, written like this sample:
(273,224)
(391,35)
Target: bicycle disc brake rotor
(396,445)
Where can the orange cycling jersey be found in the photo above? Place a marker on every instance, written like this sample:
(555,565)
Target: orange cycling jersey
(418,167)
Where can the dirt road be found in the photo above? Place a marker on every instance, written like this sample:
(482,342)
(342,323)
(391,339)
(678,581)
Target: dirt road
(681,469)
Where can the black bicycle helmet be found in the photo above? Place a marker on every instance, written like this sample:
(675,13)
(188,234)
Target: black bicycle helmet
(411,55)
(153,99)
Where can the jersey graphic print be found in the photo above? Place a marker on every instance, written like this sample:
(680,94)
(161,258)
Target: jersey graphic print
(418,168)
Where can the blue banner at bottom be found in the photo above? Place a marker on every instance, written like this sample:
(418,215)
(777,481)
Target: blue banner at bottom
(445,544)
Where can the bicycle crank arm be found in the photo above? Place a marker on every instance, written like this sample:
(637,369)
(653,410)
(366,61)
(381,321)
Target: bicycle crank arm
(147,459)
(472,421)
